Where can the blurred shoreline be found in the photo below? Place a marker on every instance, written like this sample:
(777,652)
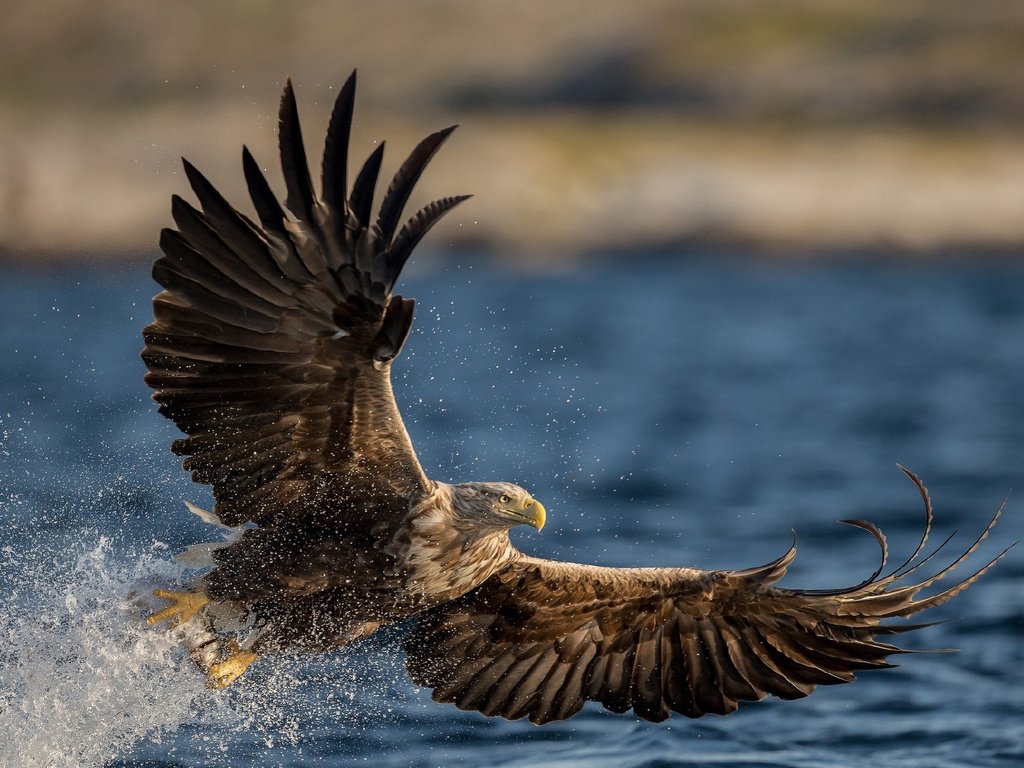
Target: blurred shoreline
(785,130)
(559,184)
(428,259)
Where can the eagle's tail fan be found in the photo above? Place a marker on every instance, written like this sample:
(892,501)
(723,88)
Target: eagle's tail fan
(199,556)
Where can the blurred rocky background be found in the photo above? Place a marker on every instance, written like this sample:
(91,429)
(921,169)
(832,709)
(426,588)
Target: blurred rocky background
(794,128)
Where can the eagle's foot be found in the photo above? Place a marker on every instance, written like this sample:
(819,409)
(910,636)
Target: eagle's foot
(224,673)
(184,606)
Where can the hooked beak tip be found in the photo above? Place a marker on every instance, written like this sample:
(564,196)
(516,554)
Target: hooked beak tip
(539,515)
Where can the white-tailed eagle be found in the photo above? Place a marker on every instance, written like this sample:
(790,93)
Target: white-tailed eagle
(272,348)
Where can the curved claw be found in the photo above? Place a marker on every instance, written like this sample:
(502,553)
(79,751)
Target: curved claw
(223,673)
(184,606)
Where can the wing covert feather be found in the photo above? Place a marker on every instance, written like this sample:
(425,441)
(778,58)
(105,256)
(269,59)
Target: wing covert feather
(271,346)
(541,637)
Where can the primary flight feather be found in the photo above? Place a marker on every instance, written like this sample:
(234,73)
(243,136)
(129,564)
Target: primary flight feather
(271,349)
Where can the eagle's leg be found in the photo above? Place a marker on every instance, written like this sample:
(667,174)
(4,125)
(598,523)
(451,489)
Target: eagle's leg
(184,606)
(221,659)
(225,672)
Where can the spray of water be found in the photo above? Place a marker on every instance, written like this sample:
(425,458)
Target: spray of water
(85,681)
(82,678)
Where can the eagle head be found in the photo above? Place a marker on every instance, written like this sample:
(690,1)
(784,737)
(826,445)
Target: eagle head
(501,505)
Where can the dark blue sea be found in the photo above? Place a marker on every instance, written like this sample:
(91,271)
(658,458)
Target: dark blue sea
(667,411)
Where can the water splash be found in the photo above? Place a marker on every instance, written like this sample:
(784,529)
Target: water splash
(82,677)
(85,681)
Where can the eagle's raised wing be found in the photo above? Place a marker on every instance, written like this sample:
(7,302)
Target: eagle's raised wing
(272,344)
(540,638)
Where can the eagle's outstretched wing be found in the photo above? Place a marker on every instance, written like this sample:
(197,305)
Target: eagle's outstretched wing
(540,638)
(272,343)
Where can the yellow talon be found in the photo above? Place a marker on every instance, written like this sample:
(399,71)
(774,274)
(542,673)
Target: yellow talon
(226,672)
(184,605)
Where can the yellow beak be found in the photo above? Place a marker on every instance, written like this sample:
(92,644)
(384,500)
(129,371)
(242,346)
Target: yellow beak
(537,514)
(527,511)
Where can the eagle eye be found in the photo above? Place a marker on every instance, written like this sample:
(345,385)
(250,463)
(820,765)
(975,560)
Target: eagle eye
(504,499)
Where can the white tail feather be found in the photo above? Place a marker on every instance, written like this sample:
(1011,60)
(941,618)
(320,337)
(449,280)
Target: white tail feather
(201,555)
(206,516)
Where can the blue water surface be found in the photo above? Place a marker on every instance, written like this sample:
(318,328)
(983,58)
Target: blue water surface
(670,411)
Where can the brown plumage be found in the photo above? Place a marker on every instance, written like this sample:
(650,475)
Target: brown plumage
(271,349)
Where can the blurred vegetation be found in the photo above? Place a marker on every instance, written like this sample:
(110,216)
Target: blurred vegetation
(794,126)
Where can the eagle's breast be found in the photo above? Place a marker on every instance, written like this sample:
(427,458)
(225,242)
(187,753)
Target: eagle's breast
(441,558)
